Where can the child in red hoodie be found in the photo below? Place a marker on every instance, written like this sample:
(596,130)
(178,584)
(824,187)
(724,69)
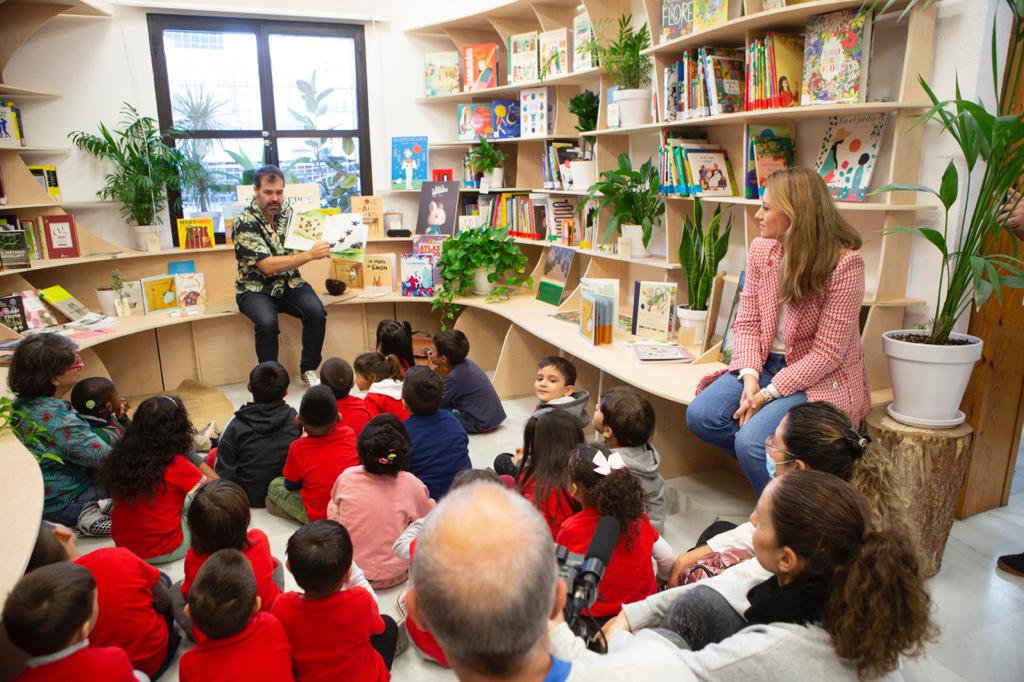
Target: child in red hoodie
(239,643)
(335,632)
(379,376)
(337,374)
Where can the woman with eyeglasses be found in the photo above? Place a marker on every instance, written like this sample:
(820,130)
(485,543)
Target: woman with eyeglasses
(44,368)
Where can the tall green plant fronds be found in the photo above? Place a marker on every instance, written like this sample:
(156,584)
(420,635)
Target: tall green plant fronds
(632,194)
(700,252)
(622,57)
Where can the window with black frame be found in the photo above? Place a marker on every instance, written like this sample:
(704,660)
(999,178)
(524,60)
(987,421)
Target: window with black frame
(237,93)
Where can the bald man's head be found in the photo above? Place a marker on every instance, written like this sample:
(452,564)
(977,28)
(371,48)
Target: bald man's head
(485,577)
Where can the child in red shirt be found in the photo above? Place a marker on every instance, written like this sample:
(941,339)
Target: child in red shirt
(134,603)
(605,486)
(151,481)
(380,378)
(239,643)
(338,375)
(314,461)
(49,614)
(335,633)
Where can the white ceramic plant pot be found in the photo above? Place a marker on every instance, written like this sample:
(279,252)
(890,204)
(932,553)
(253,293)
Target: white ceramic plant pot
(928,381)
(108,301)
(481,286)
(147,237)
(634,106)
(693,325)
(635,234)
(584,174)
(494,178)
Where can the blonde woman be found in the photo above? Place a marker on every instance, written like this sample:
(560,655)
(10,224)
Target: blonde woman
(797,335)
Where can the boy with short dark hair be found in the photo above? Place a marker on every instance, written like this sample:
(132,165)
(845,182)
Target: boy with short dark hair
(335,633)
(314,461)
(338,375)
(468,392)
(440,447)
(624,420)
(49,614)
(254,446)
(555,386)
(238,642)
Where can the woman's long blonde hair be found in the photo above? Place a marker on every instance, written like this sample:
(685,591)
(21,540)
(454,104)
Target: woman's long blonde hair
(817,234)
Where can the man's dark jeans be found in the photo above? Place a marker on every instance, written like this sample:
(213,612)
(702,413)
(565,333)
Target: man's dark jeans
(301,302)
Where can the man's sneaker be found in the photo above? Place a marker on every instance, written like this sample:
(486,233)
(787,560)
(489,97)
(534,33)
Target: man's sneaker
(402,644)
(310,378)
(92,521)
(1012,563)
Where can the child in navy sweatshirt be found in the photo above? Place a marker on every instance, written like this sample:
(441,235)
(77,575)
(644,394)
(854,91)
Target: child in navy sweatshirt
(440,447)
(468,392)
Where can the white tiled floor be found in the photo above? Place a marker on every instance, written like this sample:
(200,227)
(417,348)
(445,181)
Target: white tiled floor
(979,609)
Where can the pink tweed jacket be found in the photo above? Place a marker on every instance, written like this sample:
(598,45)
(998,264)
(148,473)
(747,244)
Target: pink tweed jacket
(824,357)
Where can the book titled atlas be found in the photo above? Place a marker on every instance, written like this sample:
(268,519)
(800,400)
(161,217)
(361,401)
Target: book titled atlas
(408,162)
(837,48)
(653,304)
(441,73)
(846,160)
(417,275)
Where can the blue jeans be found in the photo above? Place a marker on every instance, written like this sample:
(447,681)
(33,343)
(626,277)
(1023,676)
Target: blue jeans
(300,302)
(710,418)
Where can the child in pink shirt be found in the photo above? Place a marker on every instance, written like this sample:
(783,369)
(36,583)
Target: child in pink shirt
(377,500)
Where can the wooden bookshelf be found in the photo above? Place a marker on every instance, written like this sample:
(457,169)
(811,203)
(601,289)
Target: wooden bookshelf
(14,92)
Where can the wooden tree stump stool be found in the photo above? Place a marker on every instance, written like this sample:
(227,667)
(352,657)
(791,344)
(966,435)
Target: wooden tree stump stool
(930,465)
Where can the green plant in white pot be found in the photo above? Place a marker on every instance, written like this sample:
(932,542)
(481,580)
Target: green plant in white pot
(485,159)
(930,368)
(700,252)
(637,206)
(628,68)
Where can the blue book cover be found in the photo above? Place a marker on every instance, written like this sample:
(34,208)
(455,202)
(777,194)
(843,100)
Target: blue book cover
(506,118)
(408,162)
(181,267)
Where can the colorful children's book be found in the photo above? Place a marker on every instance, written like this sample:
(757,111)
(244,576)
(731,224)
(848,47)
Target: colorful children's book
(46,176)
(710,13)
(372,210)
(506,118)
(439,206)
(417,275)
(9,136)
(66,304)
(555,275)
(12,313)
(653,308)
(134,298)
(848,154)
(348,271)
(582,30)
(195,233)
(786,57)
(837,48)
(554,52)
(379,272)
(408,162)
(441,73)
(536,111)
(430,245)
(475,120)
(191,289)
(660,353)
(159,293)
(724,77)
(522,57)
(588,317)
(349,239)
(61,236)
(305,228)
(752,135)
(605,294)
(771,154)
(676,18)
(36,314)
(14,249)
(710,173)
(480,66)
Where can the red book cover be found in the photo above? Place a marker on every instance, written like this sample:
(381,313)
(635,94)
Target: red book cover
(61,236)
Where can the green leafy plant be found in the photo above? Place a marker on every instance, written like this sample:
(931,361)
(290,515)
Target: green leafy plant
(622,58)
(632,194)
(144,167)
(482,247)
(585,107)
(197,110)
(485,157)
(700,252)
(973,269)
(117,284)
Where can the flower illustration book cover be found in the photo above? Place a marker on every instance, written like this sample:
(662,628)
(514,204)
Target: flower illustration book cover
(848,154)
(837,48)
(653,304)
(408,162)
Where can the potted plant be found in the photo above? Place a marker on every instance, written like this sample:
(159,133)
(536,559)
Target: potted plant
(700,252)
(628,68)
(585,106)
(637,207)
(112,298)
(481,260)
(485,159)
(144,168)
(930,367)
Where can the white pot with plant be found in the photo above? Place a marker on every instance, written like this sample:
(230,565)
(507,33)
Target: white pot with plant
(583,171)
(637,207)
(700,252)
(485,160)
(629,69)
(112,299)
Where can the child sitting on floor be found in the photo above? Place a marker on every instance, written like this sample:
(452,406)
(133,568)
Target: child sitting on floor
(378,499)
(337,374)
(254,446)
(440,447)
(468,392)
(152,481)
(624,421)
(555,386)
(604,486)
(395,338)
(314,461)
(239,642)
(49,614)
(133,598)
(335,633)
(379,377)
(218,518)
(99,405)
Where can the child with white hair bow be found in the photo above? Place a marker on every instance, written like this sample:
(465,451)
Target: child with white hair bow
(604,486)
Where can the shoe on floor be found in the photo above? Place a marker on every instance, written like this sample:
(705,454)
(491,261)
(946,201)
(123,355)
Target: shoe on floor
(92,521)
(1012,563)
(402,644)
(310,378)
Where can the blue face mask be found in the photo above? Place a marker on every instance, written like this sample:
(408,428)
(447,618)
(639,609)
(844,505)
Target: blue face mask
(769,464)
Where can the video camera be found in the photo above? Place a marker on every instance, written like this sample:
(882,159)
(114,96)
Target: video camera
(582,574)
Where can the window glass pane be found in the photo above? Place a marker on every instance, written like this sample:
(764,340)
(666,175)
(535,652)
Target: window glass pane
(314,82)
(214,80)
(221,165)
(331,162)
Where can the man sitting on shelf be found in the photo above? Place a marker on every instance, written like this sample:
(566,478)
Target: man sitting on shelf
(268,276)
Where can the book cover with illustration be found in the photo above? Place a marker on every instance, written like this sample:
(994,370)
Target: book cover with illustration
(439,207)
(605,294)
(480,66)
(379,272)
(36,314)
(724,68)
(347,236)
(12,313)
(710,13)
(660,353)
(554,52)
(195,233)
(348,271)
(536,112)
(441,73)
(653,306)
(475,120)
(430,245)
(522,59)
(676,18)
(417,275)
(191,289)
(506,118)
(159,293)
(408,162)
(588,321)
(752,135)
(837,48)
(556,273)
(848,154)
(786,54)
(771,154)
(710,173)
(61,235)
(134,298)
(582,30)
(372,210)
(63,302)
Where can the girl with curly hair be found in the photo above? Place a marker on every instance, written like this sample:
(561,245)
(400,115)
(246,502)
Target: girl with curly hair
(604,486)
(152,482)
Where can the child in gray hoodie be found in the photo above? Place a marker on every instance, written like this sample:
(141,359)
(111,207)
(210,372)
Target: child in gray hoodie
(624,420)
(555,386)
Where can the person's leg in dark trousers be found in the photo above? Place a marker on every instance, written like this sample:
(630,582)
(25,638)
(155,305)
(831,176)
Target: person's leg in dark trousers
(262,310)
(469,423)
(702,616)
(173,638)
(386,642)
(303,303)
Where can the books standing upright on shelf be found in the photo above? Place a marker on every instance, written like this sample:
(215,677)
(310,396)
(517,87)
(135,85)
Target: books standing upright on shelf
(752,135)
(439,206)
(417,275)
(134,299)
(522,57)
(36,314)
(582,30)
(536,112)
(506,118)
(190,288)
(727,338)
(408,162)
(430,245)
(372,210)
(61,236)
(723,68)
(46,176)
(480,66)
(379,272)
(837,48)
(66,304)
(14,249)
(10,135)
(555,275)
(12,313)
(771,154)
(676,18)
(653,306)
(195,233)
(604,295)
(475,120)
(710,172)
(159,293)
(348,271)
(554,52)
(708,14)
(441,73)
(848,154)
